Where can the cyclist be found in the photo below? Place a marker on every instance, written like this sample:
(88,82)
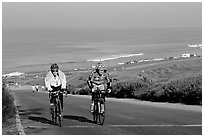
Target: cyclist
(100,79)
(55,80)
(33,88)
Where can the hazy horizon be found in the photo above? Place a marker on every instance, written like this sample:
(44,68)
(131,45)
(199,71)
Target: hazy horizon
(101,15)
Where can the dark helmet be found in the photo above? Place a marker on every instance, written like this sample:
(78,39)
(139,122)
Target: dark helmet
(99,66)
(54,66)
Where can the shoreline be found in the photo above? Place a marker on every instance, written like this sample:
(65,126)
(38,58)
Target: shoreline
(45,67)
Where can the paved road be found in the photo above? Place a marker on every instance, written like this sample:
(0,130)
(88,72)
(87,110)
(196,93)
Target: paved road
(123,117)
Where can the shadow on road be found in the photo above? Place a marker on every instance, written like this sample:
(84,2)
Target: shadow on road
(42,120)
(79,118)
(30,111)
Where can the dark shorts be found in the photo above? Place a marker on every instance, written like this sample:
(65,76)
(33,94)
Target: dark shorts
(94,96)
(52,96)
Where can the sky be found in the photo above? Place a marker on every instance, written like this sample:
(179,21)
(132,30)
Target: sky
(101,14)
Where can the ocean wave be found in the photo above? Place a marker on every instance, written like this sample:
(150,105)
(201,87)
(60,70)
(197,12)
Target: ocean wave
(195,46)
(13,74)
(112,57)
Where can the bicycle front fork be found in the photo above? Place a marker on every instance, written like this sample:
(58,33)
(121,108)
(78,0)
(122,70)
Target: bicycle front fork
(101,107)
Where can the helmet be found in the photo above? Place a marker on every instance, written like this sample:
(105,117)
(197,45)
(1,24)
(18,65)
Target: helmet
(100,66)
(54,66)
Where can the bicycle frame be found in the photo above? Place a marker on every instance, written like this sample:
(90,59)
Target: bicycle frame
(98,117)
(57,109)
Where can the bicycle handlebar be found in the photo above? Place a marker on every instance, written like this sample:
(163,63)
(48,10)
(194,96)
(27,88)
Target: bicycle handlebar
(57,92)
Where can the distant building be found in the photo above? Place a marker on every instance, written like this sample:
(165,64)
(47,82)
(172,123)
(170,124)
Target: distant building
(185,55)
(121,63)
(158,59)
(193,55)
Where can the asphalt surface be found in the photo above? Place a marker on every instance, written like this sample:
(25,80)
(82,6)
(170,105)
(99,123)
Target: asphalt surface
(123,116)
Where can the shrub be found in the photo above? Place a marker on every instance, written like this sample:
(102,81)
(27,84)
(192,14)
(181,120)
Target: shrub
(70,89)
(129,89)
(185,90)
(84,91)
(8,107)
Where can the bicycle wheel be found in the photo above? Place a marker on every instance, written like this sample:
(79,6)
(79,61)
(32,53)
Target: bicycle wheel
(59,114)
(95,113)
(55,114)
(101,115)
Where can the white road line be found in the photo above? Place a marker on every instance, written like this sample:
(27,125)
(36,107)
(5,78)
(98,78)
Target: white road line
(95,126)
(136,126)
(154,125)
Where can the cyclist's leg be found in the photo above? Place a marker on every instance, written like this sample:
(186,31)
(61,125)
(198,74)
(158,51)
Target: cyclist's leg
(104,97)
(61,100)
(93,96)
(51,101)
(102,102)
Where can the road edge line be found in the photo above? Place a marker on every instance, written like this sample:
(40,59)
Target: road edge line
(18,122)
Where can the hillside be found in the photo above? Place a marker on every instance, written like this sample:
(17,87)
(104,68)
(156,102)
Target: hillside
(167,81)
(176,81)
(154,72)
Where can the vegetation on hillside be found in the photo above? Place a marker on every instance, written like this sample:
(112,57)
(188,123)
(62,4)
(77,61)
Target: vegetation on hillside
(177,82)
(185,90)
(8,112)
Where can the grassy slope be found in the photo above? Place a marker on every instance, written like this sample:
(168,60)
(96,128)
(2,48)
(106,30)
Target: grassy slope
(148,76)
(163,71)
(174,81)
(167,81)
(156,72)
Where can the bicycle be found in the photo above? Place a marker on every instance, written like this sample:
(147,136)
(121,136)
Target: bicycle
(98,116)
(56,109)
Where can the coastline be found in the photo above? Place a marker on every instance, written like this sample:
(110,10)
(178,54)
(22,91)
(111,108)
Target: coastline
(87,65)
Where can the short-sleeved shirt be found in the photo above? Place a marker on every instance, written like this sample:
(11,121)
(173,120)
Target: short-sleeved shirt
(59,80)
(99,79)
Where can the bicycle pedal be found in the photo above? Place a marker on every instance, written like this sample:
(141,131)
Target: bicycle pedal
(61,116)
(91,111)
(102,112)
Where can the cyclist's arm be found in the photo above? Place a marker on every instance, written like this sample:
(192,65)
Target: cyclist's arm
(89,82)
(91,79)
(47,81)
(63,79)
(108,83)
(108,80)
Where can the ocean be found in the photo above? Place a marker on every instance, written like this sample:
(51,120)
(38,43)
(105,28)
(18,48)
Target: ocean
(33,49)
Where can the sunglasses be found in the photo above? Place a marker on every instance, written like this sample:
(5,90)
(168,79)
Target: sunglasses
(55,70)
